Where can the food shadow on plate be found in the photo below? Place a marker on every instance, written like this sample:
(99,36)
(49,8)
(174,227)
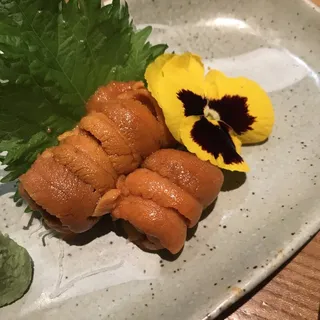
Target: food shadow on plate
(207,210)
(100,229)
(33,215)
(166,255)
(106,225)
(233,180)
(103,227)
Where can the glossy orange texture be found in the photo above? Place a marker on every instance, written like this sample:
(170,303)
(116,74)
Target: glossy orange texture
(159,202)
(109,92)
(132,121)
(198,178)
(164,224)
(133,91)
(123,158)
(92,149)
(150,185)
(58,191)
(123,126)
(82,166)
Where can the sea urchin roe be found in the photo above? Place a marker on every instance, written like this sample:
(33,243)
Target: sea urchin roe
(150,185)
(199,178)
(60,192)
(162,199)
(69,183)
(165,224)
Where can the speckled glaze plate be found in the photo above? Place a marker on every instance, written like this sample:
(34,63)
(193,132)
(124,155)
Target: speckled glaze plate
(257,222)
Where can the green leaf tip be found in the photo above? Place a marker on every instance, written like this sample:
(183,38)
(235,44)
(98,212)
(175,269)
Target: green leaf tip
(54,55)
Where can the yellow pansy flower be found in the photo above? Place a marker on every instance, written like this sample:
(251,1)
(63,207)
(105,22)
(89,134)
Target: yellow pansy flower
(212,115)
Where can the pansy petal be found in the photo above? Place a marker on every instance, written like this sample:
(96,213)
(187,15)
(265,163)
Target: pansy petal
(210,87)
(228,130)
(154,71)
(243,105)
(193,104)
(168,76)
(211,142)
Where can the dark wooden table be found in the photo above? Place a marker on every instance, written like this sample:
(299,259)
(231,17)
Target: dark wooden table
(291,294)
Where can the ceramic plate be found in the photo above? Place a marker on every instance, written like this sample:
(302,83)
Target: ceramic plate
(257,222)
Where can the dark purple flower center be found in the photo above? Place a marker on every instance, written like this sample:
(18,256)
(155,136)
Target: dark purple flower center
(233,110)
